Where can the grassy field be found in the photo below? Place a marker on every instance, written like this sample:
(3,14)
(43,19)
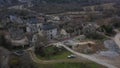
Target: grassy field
(53,53)
(70,65)
(61,55)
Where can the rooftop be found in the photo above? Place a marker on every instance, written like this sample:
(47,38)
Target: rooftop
(33,20)
(48,26)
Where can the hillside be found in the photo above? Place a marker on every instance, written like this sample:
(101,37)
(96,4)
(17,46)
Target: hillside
(82,2)
(4,3)
(38,2)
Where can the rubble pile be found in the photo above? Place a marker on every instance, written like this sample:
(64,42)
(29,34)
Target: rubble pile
(113,49)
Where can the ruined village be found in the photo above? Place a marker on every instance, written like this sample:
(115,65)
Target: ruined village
(89,35)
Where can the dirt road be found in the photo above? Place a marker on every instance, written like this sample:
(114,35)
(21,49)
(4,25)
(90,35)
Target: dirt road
(88,57)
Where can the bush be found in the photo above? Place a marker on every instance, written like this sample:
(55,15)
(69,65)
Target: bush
(95,35)
(108,29)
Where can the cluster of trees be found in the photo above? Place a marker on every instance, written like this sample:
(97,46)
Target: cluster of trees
(94,35)
(47,52)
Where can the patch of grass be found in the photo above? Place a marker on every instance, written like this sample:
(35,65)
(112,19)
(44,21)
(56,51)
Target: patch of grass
(52,53)
(60,55)
(71,65)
